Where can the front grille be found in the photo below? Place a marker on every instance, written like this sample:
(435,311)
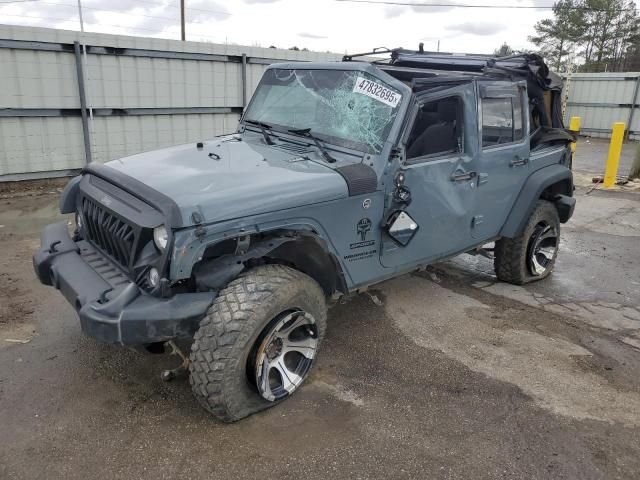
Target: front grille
(112,235)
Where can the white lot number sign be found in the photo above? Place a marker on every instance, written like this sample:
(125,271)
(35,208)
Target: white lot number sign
(377,91)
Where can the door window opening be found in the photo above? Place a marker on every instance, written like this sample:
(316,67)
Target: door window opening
(437,129)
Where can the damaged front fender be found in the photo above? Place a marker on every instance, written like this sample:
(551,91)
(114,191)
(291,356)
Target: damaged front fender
(215,273)
(214,259)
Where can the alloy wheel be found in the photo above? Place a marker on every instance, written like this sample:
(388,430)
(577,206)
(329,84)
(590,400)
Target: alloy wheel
(284,354)
(542,249)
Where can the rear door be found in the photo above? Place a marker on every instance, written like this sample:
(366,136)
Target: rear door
(440,171)
(503,160)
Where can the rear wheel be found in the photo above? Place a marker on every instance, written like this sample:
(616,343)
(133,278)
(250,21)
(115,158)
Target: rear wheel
(532,255)
(258,341)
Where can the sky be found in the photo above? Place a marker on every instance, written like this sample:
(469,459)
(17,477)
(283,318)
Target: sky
(321,25)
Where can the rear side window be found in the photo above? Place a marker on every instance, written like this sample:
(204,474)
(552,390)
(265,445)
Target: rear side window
(502,121)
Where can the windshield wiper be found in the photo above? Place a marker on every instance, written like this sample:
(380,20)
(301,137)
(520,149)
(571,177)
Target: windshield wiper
(264,128)
(306,132)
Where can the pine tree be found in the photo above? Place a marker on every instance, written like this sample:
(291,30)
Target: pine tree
(605,34)
(504,50)
(557,36)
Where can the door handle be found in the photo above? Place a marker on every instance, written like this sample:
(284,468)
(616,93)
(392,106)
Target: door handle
(460,176)
(518,161)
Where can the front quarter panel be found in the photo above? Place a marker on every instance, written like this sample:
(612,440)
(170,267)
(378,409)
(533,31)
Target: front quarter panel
(350,227)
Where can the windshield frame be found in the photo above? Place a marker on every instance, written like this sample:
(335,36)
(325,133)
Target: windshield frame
(329,140)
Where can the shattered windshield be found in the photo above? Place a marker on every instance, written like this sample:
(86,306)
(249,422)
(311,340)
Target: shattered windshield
(348,108)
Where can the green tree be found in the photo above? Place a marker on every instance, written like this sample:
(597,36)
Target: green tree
(504,50)
(611,29)
(556,37)
(604,33)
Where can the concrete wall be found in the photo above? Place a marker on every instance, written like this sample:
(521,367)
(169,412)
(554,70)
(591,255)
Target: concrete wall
(39,138)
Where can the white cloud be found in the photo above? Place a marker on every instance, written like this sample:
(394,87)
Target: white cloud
(312,36)
(477,28)
(321,25)
(393,11)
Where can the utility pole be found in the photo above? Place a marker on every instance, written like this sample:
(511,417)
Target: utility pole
(183,35)
(85,79)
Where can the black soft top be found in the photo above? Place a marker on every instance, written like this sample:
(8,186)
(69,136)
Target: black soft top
(528,66)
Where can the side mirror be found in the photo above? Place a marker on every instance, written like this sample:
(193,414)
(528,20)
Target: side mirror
(401,227)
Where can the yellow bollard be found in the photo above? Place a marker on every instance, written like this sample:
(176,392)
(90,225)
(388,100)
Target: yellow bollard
(574,126)
(611,171)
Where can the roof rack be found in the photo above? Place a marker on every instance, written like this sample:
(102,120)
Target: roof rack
(375,51)
(523,65)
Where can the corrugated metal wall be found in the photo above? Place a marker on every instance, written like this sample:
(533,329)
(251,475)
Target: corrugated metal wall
(37,142)
(601,99)
(38,137)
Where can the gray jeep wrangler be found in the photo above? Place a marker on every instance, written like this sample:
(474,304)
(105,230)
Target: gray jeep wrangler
(340,175)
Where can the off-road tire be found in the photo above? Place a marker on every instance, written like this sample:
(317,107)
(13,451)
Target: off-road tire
(510,254)
(228,332)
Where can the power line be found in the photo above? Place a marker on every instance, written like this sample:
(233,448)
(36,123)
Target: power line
(169,5)
(465,5)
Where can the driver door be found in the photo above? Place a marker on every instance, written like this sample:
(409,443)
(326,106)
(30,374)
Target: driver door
(440,172)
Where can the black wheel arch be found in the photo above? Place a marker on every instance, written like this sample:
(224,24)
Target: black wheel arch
(553,183)
(304,251)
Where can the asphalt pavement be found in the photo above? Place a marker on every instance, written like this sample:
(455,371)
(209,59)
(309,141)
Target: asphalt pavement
(444,373)
(591,155)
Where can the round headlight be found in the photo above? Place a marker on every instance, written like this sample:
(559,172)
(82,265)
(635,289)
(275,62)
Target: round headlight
(160,237)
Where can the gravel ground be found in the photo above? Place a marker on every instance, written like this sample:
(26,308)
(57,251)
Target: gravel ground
(439,374)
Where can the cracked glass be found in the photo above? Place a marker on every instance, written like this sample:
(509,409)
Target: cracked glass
(347,108)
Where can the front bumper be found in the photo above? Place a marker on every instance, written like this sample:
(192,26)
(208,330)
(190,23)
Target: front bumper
(112,309)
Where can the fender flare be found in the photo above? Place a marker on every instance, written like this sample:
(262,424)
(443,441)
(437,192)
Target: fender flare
(67,202)
(532,190)
(308,252)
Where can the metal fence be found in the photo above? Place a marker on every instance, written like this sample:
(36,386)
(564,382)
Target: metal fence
(60,107)
(600,99)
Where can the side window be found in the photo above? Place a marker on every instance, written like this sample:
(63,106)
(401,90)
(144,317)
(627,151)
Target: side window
(502,121)
(437,129)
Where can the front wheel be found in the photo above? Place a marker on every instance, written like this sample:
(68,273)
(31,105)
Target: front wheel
(532,255)
(257,342)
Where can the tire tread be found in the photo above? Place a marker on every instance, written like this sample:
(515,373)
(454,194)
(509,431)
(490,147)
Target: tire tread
(225,330)
(509,261)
